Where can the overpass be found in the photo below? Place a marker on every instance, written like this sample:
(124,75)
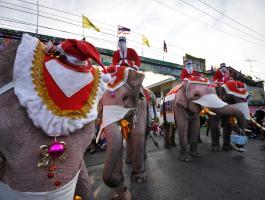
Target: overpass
(148,64)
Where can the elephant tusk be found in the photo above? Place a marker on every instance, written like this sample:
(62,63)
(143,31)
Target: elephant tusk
(247,130)
(257,124)
(205,111)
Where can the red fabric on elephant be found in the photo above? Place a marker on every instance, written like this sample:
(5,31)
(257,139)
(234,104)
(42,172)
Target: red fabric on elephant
(76,101)
(236,88)
(119,75)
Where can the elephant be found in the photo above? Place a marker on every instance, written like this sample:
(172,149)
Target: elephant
(27,170)
(182,106)
(124,102)
(235,94)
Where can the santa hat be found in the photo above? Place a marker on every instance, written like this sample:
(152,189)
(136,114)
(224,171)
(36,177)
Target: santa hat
(198,80)
(236,88)
(78,53)
(222,65)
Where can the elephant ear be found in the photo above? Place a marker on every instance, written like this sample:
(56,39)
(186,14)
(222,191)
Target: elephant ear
(181,96)
(135,78)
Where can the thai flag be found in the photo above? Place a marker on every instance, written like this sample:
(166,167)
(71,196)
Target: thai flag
(124,30)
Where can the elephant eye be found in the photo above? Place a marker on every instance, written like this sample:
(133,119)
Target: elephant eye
(125,98)
(196,95)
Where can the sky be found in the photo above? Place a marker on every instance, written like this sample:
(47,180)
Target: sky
(186,27)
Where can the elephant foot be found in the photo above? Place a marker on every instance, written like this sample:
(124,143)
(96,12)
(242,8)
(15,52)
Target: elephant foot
(138,177)
(195,154)
(228,148)
(185,157)
(216,148)
(122,194)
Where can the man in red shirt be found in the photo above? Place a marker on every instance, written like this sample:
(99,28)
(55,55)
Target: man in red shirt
(126,55)
(188,71)
(221,75)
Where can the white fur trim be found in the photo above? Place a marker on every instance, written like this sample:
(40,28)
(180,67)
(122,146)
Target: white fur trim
(71,59)
(122,82)
(69,81)
(111,114)
(211,101)
(233,93)
(41,117)
(170,97)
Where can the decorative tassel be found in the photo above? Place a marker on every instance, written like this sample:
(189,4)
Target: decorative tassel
(125,130)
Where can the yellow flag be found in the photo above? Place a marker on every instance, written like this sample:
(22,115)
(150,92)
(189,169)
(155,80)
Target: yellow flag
(145,41)
(88,24)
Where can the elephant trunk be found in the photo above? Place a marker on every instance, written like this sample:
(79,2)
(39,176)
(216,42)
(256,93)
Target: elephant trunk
(230,110)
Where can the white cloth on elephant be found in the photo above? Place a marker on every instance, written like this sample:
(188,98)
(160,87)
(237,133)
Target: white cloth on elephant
(69,81)
(111,114)
(243,107)
(211,101)
(66,192)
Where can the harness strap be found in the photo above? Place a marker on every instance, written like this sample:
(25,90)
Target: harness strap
(6,87)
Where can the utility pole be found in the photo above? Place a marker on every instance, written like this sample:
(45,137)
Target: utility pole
(250,64)
(37,30)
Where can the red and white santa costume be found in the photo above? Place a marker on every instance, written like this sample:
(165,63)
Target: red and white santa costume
(188,71)
(126,56)
(221,77)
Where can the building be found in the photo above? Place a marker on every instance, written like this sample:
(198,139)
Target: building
(10,39)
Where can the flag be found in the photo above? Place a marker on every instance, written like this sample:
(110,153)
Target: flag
(124,30)
(88,24)
(145,41)
(165,47)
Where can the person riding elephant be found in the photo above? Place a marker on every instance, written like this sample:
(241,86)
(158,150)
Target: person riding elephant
(221,75)
(126,56)
(47,120)
(186,102)
(189,71)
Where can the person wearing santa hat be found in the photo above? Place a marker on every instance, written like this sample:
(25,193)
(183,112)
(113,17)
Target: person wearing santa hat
(221,75)
(188,71)
(126,56)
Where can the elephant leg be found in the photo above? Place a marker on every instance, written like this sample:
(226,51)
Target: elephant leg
(215,132)
(166,135)
(194,131)
(129,150)
(182,124)
(172,136)
(227,130)
(84,186)
(112,173)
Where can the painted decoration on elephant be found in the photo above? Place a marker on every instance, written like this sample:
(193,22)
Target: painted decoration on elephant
(119,75)
(58,100)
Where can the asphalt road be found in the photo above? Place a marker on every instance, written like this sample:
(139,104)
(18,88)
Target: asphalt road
(214,176)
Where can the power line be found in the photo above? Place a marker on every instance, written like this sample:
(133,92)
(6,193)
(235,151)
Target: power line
(231,18)
(131,35)
(194,7)
(195,19)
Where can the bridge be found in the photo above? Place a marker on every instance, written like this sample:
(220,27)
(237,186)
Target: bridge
(148,64)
